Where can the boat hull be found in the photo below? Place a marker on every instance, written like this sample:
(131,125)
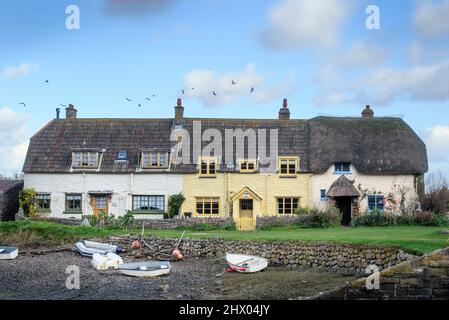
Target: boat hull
(8,253)
(146,269)
(89,248)
(246,263)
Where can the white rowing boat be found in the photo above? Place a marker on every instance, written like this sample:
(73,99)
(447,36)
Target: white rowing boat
(146,269)
(8,253)
(246,263)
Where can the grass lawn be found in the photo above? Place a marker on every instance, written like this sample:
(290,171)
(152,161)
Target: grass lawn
(415,239)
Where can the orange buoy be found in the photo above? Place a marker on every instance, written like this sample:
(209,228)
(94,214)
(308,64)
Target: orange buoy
(136,244)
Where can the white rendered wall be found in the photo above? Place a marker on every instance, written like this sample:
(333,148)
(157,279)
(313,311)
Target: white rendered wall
(383,184)
(123,186)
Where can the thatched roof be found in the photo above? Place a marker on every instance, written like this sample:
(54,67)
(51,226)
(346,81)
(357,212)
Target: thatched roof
(374,146)
(381,145)
(342,187)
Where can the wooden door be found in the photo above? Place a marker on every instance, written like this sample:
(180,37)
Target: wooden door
(100,203)
(246,216)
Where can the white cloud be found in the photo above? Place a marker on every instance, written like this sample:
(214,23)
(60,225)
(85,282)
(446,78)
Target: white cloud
(13,141)
(361,54)
(205,82)
(18,71)
(431,18)
(437,143)
(299,24)
(418,83)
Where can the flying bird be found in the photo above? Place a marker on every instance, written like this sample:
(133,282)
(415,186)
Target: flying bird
(23,104)
(214,93)
(63,105)
(233,82)
(154,96)
(46,81)
(139,105)
(147,99)
(182,91)
(193,88)
(252,90)
(128,99)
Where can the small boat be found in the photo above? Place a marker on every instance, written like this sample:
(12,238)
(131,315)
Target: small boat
(88,248)
(8,253)
(246,263)
(146,269)
(106,262)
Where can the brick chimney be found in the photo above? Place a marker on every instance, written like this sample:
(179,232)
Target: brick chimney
(179,112)
(70,112)
(284,112)
(367,112)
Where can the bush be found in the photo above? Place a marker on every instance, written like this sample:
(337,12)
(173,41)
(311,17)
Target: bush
(303,211)
(375,218)
(320,219)
(431,219)
(27,201)
(175,202)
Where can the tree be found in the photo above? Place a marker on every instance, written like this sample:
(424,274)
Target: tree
(175,202)
(27,201)
(436,197)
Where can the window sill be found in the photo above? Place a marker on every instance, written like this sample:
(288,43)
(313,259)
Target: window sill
(72,212)
(204,176)
(288,176)
(342,172)
(147,212)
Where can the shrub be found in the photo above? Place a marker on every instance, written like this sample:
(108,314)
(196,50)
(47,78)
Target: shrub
(302,211)
(431,219)
(375,218)
(27,201)
(320,219)
(436,198)
(175,202)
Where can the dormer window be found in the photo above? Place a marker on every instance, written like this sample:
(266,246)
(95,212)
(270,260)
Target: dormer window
(342,167)
(208,166)
(247,166)
(154,159)
(85,159)
(288,166)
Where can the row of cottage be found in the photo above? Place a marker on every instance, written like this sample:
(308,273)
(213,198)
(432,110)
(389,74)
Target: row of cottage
(239,168)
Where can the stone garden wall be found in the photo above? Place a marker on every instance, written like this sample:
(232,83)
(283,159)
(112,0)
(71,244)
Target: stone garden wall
(421,278)
(333,256)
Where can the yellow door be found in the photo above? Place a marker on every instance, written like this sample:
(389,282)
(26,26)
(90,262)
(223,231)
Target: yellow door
(246,218)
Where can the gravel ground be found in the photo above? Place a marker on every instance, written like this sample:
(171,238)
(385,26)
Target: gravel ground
(42,276)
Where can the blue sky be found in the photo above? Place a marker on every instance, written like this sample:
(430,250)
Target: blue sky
(318,54)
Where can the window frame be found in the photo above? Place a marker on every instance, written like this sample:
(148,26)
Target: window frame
(376,202)
(298,203)
(149,156)
(204,200)
(208,161)
(342,171)
(321,195)
(246,163)
(81,159)
(157,198)
(38,199)
(289,160)
(73,210)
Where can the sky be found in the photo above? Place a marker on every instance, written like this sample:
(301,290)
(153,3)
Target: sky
(319,54)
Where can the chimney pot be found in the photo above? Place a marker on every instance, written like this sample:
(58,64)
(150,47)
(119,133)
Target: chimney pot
(179,112)
(70,112)
(284,112)
(367,112)
(57,113)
